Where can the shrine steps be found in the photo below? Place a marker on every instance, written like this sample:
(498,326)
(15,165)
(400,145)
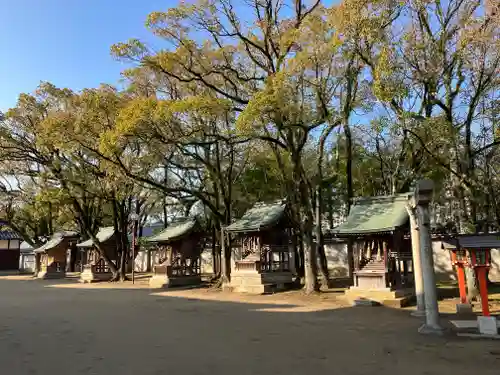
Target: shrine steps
(373,265)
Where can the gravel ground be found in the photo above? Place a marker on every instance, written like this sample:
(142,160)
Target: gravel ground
(75,329)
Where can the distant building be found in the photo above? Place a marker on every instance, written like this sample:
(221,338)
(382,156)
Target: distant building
(10,243)
(27,259)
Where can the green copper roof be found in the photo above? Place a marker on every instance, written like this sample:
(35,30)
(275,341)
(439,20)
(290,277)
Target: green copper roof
(375,215)
(103,235)
(260,216)
(174,231)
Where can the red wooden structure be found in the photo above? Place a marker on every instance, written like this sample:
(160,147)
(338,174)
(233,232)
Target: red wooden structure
(481,263)
(459,261)
(472,251)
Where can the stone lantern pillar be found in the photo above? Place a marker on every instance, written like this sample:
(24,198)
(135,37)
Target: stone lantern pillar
(423,196)
(417,262)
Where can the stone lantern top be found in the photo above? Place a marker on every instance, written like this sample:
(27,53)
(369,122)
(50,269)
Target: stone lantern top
(423,191)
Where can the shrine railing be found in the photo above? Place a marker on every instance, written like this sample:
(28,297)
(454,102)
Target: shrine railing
(100,267)
(185,270)
(242,265)
(178,270)
(274,258)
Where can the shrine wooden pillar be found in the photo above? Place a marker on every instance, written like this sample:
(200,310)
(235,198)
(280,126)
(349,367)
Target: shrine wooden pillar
(481,266)
(459,265)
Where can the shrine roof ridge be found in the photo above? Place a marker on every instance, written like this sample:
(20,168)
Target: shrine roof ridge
(103,235)
(176,229)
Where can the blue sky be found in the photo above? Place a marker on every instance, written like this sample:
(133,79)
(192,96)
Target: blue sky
(66,42)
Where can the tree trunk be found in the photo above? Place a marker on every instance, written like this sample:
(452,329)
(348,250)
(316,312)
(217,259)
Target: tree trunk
(472,284)
(122,274)
(310,263)
(350,189)
(323,263)
(215,256)
(463,224)
(329,202)
(102,253)
(225,262)
(298,247)
(350,194)
(50,220)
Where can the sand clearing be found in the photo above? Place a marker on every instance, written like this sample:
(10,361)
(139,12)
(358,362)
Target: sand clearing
(121,329)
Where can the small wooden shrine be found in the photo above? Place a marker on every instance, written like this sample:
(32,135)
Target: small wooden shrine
(473,251)
(178,255)
(383,266)
(94,267)
(51,258)
(261,249)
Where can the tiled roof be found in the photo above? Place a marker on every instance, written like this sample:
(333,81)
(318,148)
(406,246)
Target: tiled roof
(375,215)
(175,230)
(260,216)
(8,234)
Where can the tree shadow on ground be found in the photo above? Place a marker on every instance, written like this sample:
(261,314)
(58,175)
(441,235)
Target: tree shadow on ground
(134,331)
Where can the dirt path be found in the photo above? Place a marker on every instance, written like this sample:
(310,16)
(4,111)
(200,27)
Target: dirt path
(78,329)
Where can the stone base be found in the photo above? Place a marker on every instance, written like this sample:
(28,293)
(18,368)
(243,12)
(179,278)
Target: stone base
(431,330)
(50,275)
(464,308)
(260,283)
(418,313)
(158,282)
(87,276)
(387,297)
(163,281)
(487,325)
